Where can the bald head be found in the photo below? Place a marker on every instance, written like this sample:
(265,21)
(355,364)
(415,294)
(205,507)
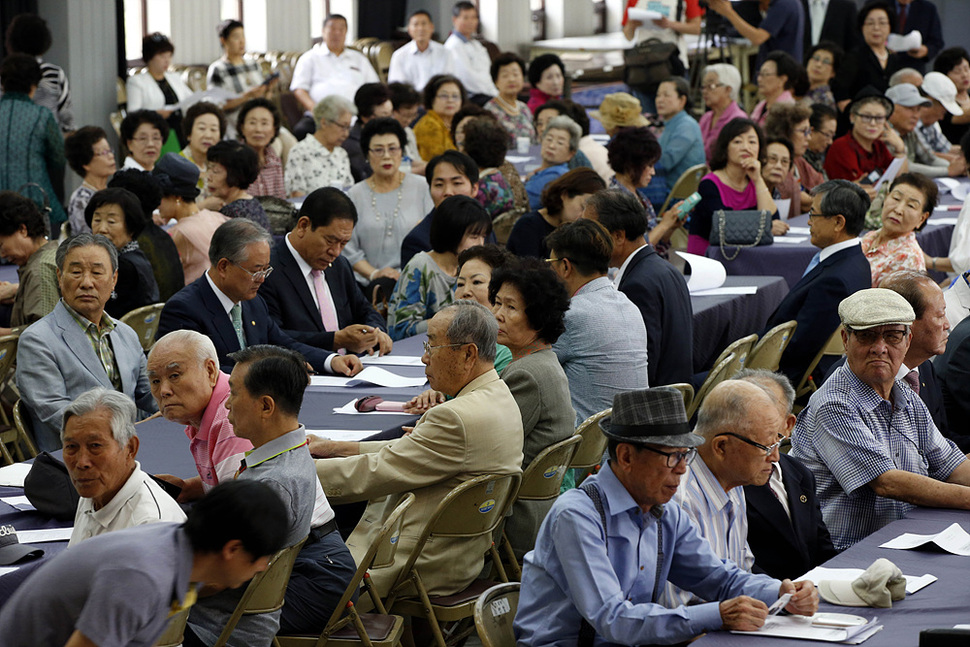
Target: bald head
(183,370)
(732,405)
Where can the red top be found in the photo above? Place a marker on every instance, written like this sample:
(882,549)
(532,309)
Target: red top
(846,159)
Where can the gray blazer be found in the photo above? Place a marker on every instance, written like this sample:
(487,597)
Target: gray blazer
(56,363)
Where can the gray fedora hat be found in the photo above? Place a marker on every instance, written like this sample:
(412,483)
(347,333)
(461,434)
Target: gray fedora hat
(650,417)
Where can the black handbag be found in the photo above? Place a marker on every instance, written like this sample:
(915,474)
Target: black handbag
(649,63)
(48,487)
(740,229)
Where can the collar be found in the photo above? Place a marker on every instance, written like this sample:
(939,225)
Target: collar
(412,48)
(131,163)
(709,484)
(488,376)
(225,301)
(460,36)
(616,498)
(106,515)
(305,268)
(904,371)
(106,322)
(217,402)
(867,397)
(280,445)
(597,284)
(677,117)
(326,51)
(17,96)
(837,247)
(626,264)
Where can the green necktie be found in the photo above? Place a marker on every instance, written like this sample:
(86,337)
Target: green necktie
(235,313)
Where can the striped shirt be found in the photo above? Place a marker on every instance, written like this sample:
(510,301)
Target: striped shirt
(100,341)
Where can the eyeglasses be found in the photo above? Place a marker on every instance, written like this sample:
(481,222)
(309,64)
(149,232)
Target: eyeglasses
(712,86)
(339,125)
(428,347)
(390,150)
(674,458)
(555,260)
(448,97)
(876,23)
(870,337)
(773,159)
(824,134)
(157,139)
(255,276)
(822,60)
(815,214)
(767,449)
(806,132)
(105,153)
(871,119)
(763,73)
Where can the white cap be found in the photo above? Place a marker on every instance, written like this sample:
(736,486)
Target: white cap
(940,87)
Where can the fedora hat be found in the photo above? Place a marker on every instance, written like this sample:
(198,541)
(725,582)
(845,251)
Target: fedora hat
(619,110)
(650,417)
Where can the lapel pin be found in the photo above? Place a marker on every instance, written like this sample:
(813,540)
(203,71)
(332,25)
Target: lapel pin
(803,499)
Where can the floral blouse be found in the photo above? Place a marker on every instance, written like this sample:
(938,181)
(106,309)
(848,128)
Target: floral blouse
(423,290)
(494,193)
(311,166)
(902,253)
(518,125)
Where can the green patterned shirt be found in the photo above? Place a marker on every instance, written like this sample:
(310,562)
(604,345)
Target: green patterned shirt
(98,336)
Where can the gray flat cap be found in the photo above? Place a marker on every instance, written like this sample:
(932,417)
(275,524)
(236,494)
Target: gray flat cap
(875,307)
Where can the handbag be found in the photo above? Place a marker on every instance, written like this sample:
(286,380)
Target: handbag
(48,487)
(741,229)
(647,64)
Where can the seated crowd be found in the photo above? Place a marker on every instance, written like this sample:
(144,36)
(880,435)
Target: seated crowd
(546,297)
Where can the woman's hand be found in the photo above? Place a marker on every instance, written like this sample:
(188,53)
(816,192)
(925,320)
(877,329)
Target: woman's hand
(752,168)
(892,139)
(424,401)
(779,227)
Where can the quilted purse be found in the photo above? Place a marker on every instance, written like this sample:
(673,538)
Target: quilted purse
(740,229)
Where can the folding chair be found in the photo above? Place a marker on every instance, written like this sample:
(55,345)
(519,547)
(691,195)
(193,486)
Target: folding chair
(494,613)
(8,357)
(717,375)
(347,626)
(833,347)
(768,351)
(144,321)
(473,509)
(541,481)
(175,630)
(590,453)
(19,438)
(740,350)
(685,185)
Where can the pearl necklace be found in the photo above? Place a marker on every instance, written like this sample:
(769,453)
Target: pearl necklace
(389,226)
(510,108)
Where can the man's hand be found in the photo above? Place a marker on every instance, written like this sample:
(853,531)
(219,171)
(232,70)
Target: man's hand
(384,342)
(919,52)
(892,139)
(779,227)
(357,338)
(8,290)
(423,402)
(743,614)
(722,7)
(804,598)
(957,167)
(388,272)
(348,365)
(325,448)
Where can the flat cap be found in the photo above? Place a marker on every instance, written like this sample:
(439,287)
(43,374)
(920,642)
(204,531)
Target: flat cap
(875,307)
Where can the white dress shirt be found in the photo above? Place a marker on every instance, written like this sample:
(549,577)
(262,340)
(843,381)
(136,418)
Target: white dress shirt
(837,247)
(305,269)
(322,73)
(472,64)
(816,10)
(410,65)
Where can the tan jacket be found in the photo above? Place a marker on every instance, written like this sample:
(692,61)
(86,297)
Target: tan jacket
(478,432)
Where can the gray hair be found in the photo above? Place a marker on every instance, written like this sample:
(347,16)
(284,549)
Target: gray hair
(119,405)
(562,122)
(901,76)
(728,75)
(232,238)
(909,285)
(846,198)
(765,379)
(84,240)
(473,323)
(729,409)
(331,107)
(190,339)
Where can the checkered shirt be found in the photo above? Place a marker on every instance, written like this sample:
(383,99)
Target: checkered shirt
(101,342)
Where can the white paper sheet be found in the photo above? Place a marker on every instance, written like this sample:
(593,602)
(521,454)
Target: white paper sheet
(705,273)
(390,360)
(784,206)
(947,183)
(802,627)
(944,221)
(799,231)
(960,192)
(370,375)
(891,172)
(14,475)
(350,410)
(517,159)
(19,502)
(4,570)
(901,43)
(40,536)
(726,291)
(644,15)
(953,540)
(790,240)
(819,573)
(343,434)
(214,95)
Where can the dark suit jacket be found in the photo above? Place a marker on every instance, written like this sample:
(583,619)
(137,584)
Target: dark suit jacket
(660,292)
(196,307)
(783,548)
(814,303)
(953,374)
(291,305)
(359,167)
(839,25)
(922,16)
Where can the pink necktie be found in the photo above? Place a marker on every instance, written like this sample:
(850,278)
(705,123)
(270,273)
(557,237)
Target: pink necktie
(327,312)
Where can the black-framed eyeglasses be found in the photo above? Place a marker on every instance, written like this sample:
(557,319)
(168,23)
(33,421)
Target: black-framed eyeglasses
(816,214)
(767,449)
(553,261)
(674,458)
(255,276)
(869,337)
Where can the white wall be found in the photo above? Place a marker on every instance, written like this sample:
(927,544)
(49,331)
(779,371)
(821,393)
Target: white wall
(568,18)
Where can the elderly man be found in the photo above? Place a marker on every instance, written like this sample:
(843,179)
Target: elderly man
(223,303)
(478,431)
(183,371)
(471,60)
(100,446)
(942,94)
(742,430)
(313,295)
(907,102)
(870,472)
(121,588)
(78,346)
(651,283)
(604,348)
(422,58)
(586,580)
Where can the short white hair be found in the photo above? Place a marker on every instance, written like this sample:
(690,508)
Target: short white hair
(201,344)
(119,405)
(728,75)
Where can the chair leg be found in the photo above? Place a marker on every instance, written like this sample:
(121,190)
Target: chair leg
(511,559)
(497,563)
(439,637)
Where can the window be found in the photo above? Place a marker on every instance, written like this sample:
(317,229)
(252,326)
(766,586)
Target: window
(143,18)
(538,19)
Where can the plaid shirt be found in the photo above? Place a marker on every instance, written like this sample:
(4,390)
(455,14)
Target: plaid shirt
(99,336)
(237,78)
(848,435)
(270,179)
(932,138)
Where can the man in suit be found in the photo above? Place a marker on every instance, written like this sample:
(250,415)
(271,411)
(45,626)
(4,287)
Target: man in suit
(224,305)
(953,373)
(478,431)
(78,346)
(651,283)
(921,16)
(313,295)
(831,20)
(837,270)
(786,532)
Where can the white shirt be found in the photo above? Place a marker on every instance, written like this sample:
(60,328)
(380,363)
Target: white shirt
(960,242)
(305,269)
(816,11)
(777,484)
(837,247)
(619,274)
(131,163)
(322,73)
(472,64)
(957,298)
(410,65)
(139,501)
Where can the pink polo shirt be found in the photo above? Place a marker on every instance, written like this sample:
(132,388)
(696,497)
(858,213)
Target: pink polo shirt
(215,448)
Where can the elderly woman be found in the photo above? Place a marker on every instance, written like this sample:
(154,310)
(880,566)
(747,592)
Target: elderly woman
(193,227)
(564,200)
(618,110)
(485,141)
(427,281)
(23,242)
(681,140)
(722,83)
(89,154)
(777,168)
(389,204)
(863,153)
(28,34)
(823,122)
(233,167)
(776,78)
(822,64)
(870,63)
(508,74)
(319,160)
(530,303)
(205,126)
(734,184)
(234,73)
(157,89)
(911,199)
(547,76)
(258,126)
(443,98)
(116,214)
(143,132)
(560,141)
(790,121)
(551,109)
(32,142)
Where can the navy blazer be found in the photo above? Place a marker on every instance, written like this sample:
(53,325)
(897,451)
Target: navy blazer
(659,290)
(953,375)
(786,548)
(196,307)
(921,16)
(839,25)
(814,303)
(291,304)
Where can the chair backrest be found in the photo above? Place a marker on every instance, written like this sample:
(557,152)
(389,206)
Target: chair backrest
(494,613)
(8,353)
(144,321)
(686,390)
(717,375)
(25,432)
(174,631)
(590,452)
(833,347)
(685,185)
(740,350)
(768,351)
(543,478)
